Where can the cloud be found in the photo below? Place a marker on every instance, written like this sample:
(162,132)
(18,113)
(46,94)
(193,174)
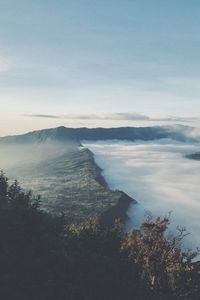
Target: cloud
(158,176)
(187,133)
(176,119)
(127,117)
(43,116)
(116,117)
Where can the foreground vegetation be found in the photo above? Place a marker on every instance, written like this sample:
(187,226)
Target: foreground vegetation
(43,257)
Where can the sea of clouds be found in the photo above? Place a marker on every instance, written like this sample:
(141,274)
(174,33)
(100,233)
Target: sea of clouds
(159,176)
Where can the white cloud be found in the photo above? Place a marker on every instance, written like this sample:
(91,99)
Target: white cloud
(125,116)
(158,176)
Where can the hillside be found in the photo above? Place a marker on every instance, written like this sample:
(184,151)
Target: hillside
(72,185)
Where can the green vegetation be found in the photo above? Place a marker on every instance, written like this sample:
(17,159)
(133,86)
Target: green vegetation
(44,257)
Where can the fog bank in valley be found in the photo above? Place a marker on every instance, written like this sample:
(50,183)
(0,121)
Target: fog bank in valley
(16,157)
(158,176)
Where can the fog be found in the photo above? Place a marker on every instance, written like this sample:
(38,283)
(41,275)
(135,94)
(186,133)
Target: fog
(15,157)
(158,176)
(184,133)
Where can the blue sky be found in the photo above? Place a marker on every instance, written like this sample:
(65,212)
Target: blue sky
(95,57)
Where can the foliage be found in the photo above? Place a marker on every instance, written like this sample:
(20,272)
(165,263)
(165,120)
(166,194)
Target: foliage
(104,271)
(163,265)
(12,196)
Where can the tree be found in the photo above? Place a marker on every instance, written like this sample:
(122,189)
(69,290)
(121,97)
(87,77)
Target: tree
(18,198)
(3,190)
(99,269)
(163,265)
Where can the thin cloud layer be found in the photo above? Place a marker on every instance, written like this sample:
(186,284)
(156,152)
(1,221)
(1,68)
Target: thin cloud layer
(116,117)
(44,116)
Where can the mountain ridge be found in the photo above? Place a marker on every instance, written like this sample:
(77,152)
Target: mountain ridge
(75,135)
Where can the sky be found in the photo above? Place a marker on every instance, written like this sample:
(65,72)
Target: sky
(98,63)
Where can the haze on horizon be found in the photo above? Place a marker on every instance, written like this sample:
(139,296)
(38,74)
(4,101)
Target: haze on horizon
(98,63)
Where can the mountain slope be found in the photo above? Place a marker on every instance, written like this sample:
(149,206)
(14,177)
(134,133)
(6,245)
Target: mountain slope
(72,185)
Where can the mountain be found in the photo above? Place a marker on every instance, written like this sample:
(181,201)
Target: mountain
(195,156)
(75,135)
(60,134)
